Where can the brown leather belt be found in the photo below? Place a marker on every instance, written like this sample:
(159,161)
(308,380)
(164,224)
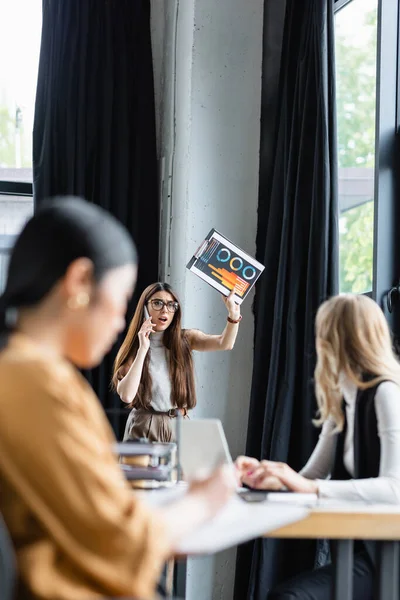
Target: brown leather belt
(172,413)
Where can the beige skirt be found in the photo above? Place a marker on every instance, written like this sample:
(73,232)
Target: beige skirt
(143,424)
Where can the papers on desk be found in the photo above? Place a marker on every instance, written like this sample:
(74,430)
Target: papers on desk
(163,496)
(239,522)
(293,498)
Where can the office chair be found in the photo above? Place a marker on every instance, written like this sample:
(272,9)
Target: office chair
(7,564)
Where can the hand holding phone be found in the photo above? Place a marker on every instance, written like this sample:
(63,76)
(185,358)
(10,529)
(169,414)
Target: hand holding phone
(145,331)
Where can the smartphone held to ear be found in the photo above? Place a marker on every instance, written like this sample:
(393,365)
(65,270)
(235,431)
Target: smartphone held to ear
(146,314)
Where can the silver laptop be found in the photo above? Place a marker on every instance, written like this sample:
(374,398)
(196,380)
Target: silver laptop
(202,446)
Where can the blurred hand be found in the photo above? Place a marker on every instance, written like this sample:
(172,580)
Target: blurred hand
(215,490)
(144,334)
(202,501)
(268,483)
(232,307)
(269,472)
(245,466)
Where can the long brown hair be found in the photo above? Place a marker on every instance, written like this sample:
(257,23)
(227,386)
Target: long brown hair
(352,340)
(175,339)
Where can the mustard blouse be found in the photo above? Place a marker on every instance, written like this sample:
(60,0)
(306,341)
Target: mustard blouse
(78,530)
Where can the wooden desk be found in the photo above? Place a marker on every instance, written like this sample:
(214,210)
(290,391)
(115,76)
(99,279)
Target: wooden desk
(346,523)
(343,522)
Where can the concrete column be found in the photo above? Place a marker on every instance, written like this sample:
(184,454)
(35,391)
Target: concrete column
(211,150)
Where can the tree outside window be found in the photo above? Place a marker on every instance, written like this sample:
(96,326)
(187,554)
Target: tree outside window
(356,39)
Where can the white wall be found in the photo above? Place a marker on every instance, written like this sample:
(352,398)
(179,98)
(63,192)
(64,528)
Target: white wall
(214,184)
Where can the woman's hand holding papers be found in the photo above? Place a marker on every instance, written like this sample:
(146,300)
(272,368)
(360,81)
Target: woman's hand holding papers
(232,307)
(202,501)
(214,491)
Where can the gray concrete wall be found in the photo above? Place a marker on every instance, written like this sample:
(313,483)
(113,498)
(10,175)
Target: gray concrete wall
(215,133)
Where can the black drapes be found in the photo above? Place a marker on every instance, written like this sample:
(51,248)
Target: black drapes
(297,241)
(94,130)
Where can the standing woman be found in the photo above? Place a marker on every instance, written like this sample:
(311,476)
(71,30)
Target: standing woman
(357,384)
(153,371)
(78,530)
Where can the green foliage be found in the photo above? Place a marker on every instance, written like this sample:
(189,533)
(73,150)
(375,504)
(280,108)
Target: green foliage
(8,140)
(7,143)
(355,96)
(356,248)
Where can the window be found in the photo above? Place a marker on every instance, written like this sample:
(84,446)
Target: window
(356,78)
(20,31)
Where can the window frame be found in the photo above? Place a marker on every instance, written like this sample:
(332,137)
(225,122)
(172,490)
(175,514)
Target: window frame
(386,214)
(386,261)
(15,188)
(338,4)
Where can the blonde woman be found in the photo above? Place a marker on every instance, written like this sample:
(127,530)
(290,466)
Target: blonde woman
(357,383)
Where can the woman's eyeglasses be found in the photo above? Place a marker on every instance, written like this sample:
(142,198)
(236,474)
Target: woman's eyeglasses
(172,307)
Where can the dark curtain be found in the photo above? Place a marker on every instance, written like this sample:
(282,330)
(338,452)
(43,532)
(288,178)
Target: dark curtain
(94,130)
(297,240)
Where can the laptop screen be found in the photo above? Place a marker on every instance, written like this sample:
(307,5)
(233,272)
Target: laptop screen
(202,446)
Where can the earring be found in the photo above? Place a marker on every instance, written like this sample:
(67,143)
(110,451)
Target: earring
(81,300)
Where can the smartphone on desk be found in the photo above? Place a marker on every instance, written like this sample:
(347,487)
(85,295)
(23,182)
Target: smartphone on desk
(253,495)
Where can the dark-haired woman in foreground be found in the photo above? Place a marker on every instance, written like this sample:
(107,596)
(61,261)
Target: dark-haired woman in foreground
(357,380)
(78,531)
(153,371)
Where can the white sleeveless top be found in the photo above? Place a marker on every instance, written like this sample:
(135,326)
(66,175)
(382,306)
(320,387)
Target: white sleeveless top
(161,383)
(159,371)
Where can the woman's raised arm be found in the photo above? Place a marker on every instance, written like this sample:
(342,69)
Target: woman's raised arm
(204,342)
